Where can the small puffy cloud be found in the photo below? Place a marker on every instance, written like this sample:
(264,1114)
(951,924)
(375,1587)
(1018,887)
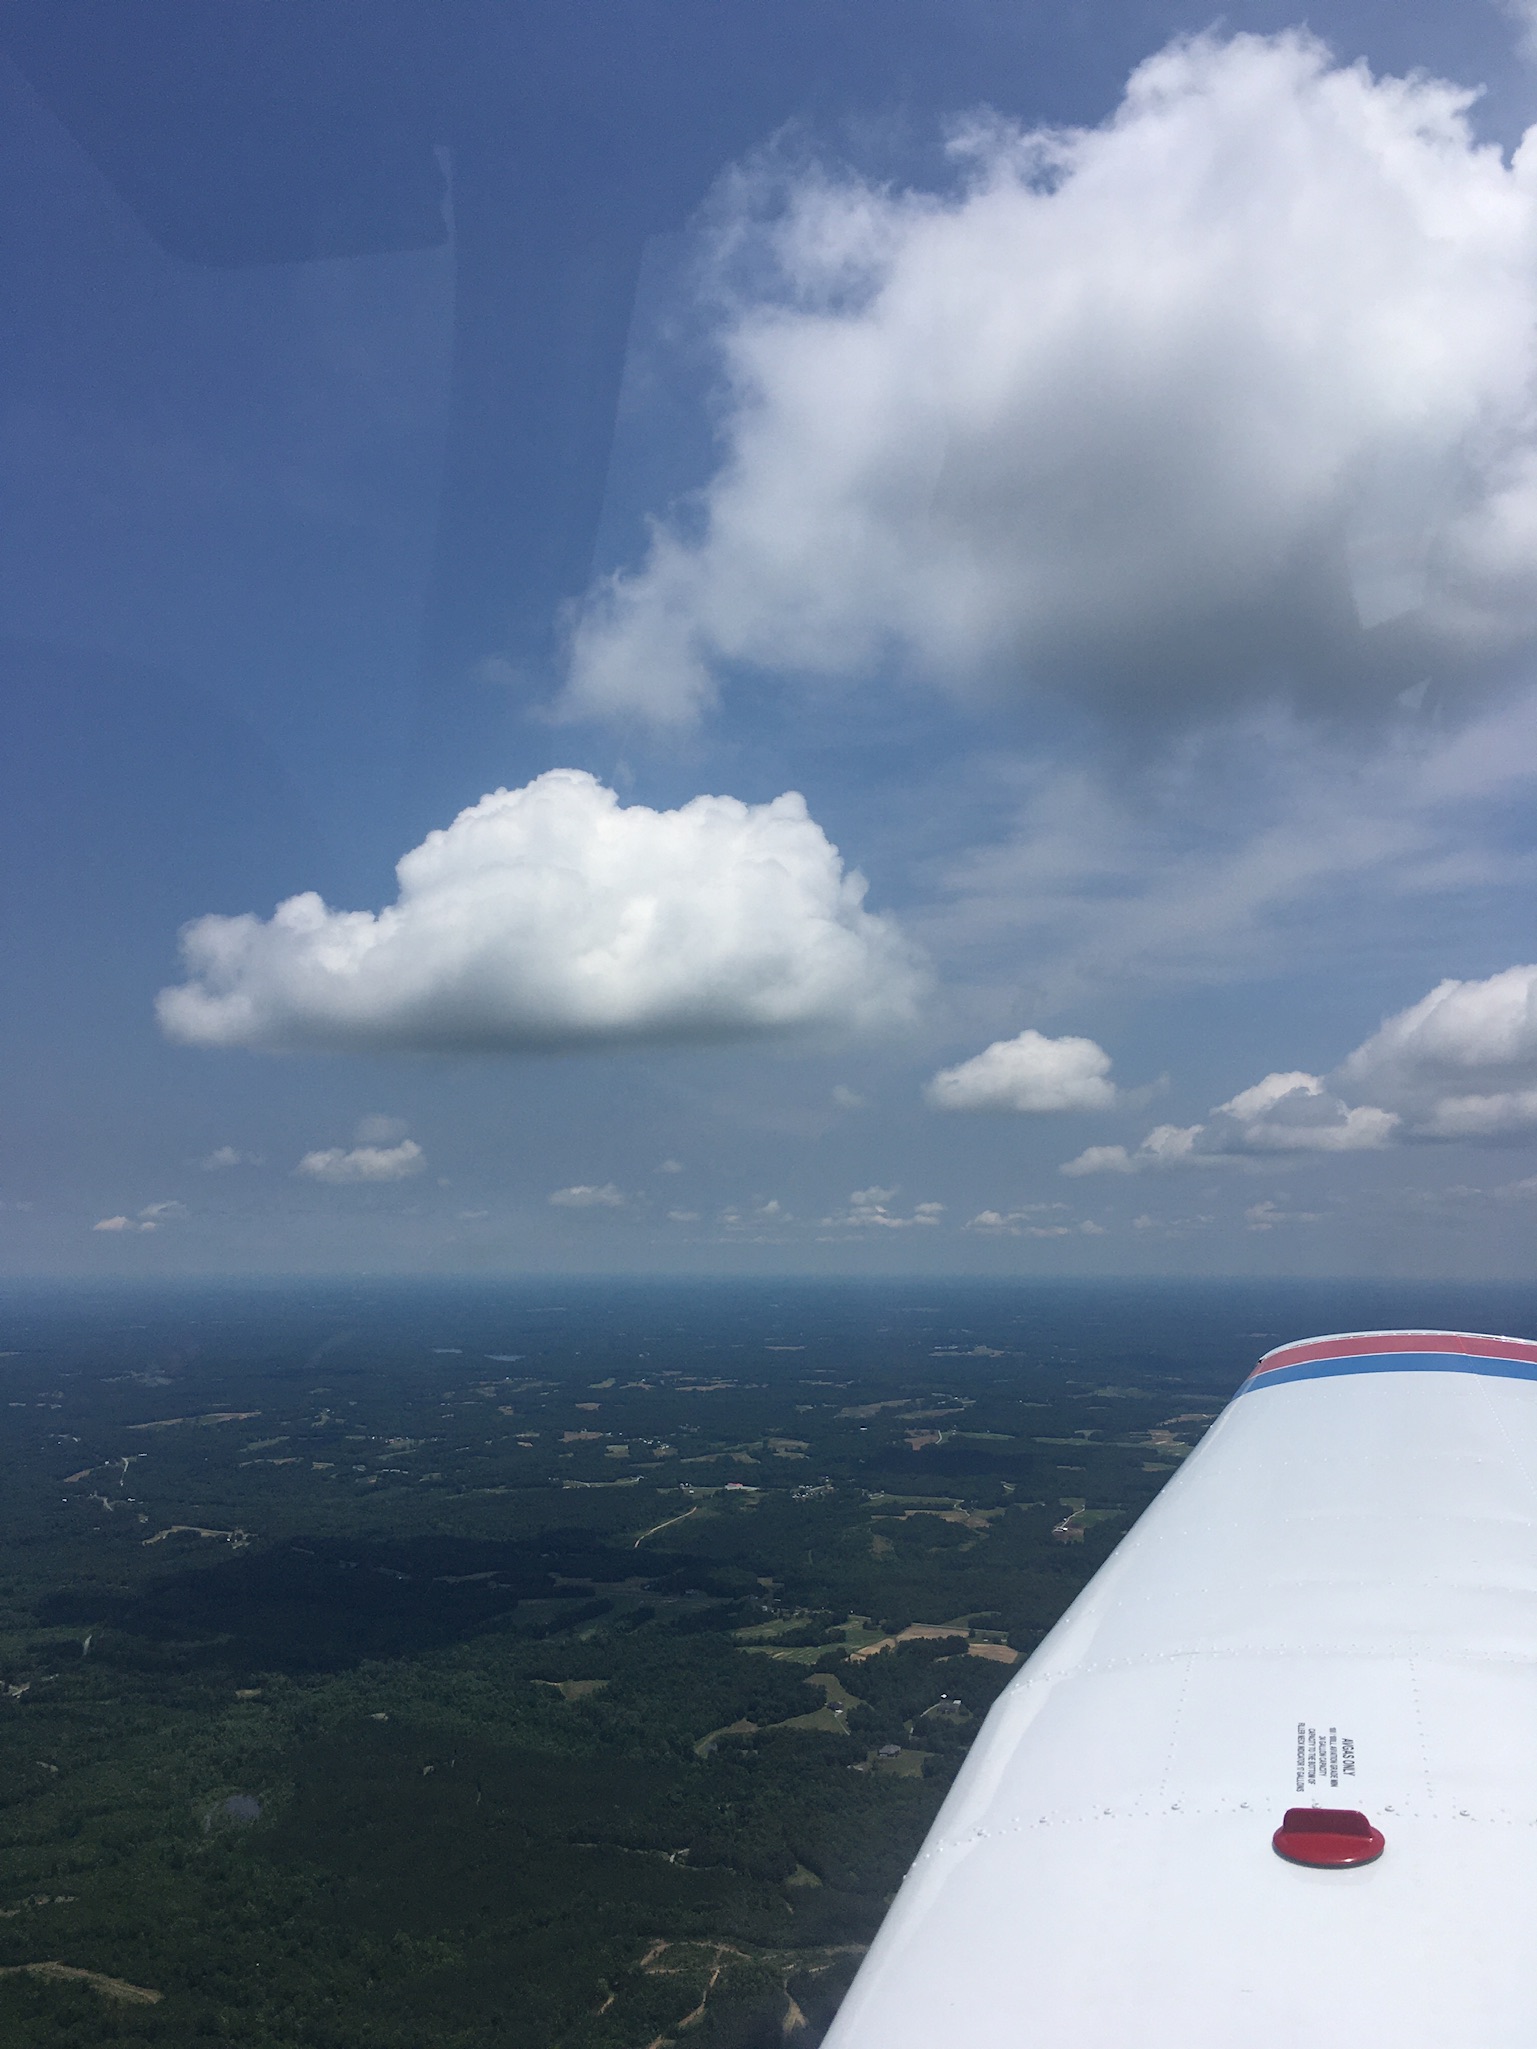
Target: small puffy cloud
(1169,1143)
(363,1163)
(683,1216)
(762,1210)
(554,917)
(583,1196)
(847,1098)
(150,1218)
(670,1167)
(1035,1220)
(1030,1073)
(1166,1145)
(225,1156)
(1100,1159)
(1229,392)
(1268,1216)
(870,1209)
(1460,1063)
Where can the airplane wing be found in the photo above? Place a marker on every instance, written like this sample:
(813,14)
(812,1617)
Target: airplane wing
(1272,1779)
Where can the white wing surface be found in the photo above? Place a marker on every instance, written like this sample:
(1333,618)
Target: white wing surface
(1333,1606)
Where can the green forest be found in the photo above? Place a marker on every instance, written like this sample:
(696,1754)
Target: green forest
(588,1695)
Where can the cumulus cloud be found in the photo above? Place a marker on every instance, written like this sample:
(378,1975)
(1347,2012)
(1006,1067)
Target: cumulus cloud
(150,1218)
(870,1209)
(339,1164)
(224,1156)
(1027,1073)
(763,1210)
(1166,1145)
(552,916)
(1284,1113)
(1233,389)
(1296,1113)
(1460,1063)
(1100,1159)
(583,1196)
(1269,1216)
(1035,1220)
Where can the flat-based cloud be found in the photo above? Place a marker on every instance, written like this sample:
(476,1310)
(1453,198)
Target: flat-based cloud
(870,1210)
(1284,1113)
(583,1195)
(1036,1220)
(553,917)
(225,1156)
(363,1163)
(1232,390)
(150,1218)
(1027,1074)
(1459,1064)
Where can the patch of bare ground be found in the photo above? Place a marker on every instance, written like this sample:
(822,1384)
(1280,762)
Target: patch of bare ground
(237,1538)
(109,1988)
(906,1764)
(913,1631)
(714,1959)
(707,1743)
(968,1519)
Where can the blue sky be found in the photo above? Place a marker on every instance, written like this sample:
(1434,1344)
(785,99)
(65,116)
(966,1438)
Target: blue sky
(890,638)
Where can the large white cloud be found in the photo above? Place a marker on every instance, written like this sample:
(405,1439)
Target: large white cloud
(1027,1073)
(1460,1063)
(553,916)
(1235,387)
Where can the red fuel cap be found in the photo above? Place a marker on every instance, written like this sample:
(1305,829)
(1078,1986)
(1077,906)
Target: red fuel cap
(1333,1838)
